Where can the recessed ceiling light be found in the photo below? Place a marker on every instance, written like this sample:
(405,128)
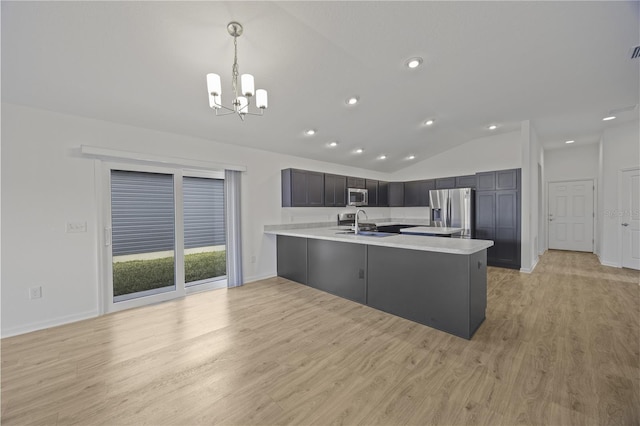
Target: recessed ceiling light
(310,132)
(414,62)
(358,151)
(611,117)
(428,122)
(332,144)
(569,141)
(492,127)
(382,157)
(352,100)
(411,157)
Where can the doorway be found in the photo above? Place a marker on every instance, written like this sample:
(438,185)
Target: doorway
(630,218)
(164,234)
(571,215)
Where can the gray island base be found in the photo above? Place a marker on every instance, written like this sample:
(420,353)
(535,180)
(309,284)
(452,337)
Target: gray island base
(443,290)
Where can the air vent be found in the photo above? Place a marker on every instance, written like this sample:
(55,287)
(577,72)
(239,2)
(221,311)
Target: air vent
(635,52)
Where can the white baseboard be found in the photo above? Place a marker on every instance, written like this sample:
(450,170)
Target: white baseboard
(258,277)
(530,270)
(607,263)
(41,325)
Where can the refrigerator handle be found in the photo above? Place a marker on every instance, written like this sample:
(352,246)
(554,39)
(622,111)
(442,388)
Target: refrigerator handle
(448,210)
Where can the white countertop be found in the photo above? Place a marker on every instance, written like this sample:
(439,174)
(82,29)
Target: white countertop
(432,230)
(410,242)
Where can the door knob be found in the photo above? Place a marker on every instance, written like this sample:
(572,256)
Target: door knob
(625,224)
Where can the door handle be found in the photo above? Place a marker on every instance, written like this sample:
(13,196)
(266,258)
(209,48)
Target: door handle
(625,224)
(107,236)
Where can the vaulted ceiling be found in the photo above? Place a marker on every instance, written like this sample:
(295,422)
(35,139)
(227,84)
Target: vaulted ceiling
(562,65)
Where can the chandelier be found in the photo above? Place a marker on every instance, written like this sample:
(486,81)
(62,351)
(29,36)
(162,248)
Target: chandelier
(242,98)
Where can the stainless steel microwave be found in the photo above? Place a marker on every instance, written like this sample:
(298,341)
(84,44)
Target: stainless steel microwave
(357,197)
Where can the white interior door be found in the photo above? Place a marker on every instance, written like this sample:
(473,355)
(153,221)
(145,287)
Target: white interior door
(630,218)
(571,215)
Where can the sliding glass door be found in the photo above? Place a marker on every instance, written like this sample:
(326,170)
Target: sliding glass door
(164,234)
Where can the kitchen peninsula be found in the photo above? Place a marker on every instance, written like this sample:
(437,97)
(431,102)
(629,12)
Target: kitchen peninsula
(436,281)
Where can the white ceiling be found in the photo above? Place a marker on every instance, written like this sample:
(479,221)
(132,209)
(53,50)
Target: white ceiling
(562,65)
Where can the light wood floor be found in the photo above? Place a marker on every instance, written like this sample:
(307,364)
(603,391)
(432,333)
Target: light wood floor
(559,347)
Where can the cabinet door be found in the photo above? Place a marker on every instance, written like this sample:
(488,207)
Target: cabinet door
(299,188)
(466,181)
(507,228)
(383,194)
(292,258)
(446,183)
(507,179)
(315,189)
(372,189)
(486,219)
(412,193)
(396,194)
(335,190)
(355,182)
(486,181)
(337,268)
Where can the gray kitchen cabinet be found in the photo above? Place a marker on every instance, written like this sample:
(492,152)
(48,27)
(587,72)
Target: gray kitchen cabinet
(416,193)
(356,182)
(302,188)
(292,258)
(337,268)
(498,216)
(486,181)
(335,190)
(507,179)
(383,194)
(441,290)
(446,183)
(372,190)
(396,194)
(466,181)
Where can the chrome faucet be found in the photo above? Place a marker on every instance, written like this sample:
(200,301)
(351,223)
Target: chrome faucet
(357,226)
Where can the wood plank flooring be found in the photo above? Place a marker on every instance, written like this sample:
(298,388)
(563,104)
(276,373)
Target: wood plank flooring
(559,347)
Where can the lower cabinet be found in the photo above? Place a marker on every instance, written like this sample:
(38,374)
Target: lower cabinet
(337,268)
(292,258)
(441,290)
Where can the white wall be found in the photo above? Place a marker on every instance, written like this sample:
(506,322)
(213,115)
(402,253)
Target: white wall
(46,184)
(572,163)
(620,149)
(495,152)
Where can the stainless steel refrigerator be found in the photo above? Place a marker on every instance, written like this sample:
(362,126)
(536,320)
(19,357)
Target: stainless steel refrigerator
(454,208)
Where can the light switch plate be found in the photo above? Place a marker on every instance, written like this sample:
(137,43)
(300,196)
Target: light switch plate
(73,227)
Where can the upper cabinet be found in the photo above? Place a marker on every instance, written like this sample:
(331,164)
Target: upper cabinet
(507,179)
(498,180)
(356,182)
(335,190)
(302,188)
(446,183)
(416,193)
(383,194)
(466,181)
(372,192)
(396,194)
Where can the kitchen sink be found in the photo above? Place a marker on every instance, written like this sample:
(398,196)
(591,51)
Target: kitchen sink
(369,233)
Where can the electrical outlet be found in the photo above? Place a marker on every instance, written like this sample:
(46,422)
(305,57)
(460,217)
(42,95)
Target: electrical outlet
(73,227)
(35,292)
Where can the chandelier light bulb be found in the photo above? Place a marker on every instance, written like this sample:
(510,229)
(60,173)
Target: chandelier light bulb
(261,99)
(247,84)
(243,105)
(213,84)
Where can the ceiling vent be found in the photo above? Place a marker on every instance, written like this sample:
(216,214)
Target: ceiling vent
(635,52)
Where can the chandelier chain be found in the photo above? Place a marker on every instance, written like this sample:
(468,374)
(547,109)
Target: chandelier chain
(234,70)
